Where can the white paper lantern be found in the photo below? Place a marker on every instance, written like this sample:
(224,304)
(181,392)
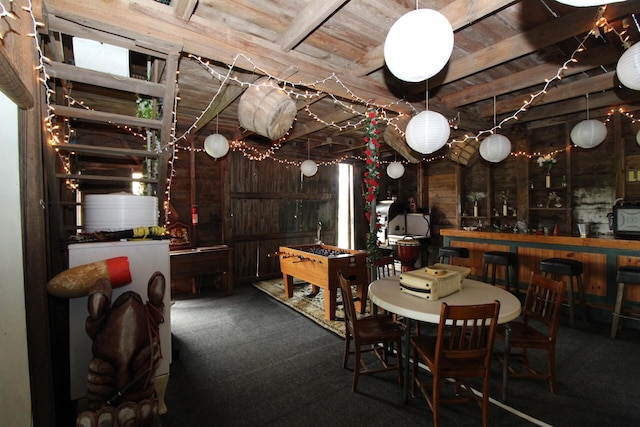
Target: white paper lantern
(395,170)
(588,133)
(495,148)
(427,132)
(309,168)
(418,45)
(585,3)
(628,68)
(216,145)
(638,137)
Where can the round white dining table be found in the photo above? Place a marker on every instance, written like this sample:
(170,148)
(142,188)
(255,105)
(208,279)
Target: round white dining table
(385,293)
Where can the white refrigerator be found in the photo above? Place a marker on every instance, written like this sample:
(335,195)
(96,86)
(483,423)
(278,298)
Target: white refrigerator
(145,258)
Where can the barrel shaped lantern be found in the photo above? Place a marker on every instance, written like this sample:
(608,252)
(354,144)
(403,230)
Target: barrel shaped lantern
(266,109)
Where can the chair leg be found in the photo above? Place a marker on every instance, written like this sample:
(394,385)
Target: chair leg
(485,401)
(414,372)
(585,316)
(617,310)
(571,302)
(485,269)
(356,369)
(507,272)
(493,274)
(347,344)
(551,358)
(435,400)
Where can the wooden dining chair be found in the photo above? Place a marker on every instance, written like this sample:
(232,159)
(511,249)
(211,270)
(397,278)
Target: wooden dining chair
(385,266)
(461,350)
(373,333)
(537,329)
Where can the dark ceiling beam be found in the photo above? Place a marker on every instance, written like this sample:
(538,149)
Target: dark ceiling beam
(590,59)
(575,89)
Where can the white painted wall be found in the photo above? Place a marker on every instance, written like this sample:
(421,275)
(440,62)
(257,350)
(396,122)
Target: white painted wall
(15,393)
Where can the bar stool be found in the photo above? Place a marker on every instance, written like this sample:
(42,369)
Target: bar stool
(494,258)
(570,268)
(627,275)
(449,252)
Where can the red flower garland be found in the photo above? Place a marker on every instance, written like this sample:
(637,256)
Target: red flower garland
(372,183)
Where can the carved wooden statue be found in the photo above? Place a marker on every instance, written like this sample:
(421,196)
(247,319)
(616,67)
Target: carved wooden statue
(126,354)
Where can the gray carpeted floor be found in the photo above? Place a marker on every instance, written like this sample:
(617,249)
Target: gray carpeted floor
(247,360)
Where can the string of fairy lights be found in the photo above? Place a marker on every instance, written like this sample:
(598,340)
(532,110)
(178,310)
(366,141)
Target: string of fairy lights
(299,91)
(600,23)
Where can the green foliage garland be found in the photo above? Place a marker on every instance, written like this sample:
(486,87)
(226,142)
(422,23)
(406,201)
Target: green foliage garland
(372,183)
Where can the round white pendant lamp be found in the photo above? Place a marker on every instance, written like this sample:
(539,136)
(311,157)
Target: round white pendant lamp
(418,45)
(427,132)
(586,3)
(395,170)
(628,68)
(495,148)
(216,145)
(309,168)
(638,137)
(588,133)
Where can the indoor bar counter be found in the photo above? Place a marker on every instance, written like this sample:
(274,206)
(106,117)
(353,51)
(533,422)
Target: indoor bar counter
(600,256)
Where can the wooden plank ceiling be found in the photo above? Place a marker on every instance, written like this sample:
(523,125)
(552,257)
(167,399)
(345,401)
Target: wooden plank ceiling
(503,52)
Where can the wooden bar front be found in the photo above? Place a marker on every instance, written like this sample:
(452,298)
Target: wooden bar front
(191,263)
(600,256)
(322,271)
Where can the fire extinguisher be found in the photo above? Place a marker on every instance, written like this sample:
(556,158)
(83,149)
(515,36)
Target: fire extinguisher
(194,215)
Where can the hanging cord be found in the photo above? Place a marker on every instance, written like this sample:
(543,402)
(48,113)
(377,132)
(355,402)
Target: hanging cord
(587,96)
(426,101)
(494,112)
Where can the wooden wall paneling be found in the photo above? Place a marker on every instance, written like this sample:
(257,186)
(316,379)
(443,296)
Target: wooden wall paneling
(271,205)
(619,154)
(443,192)
(629,188)
(208,197)
(594,184)
(475,261)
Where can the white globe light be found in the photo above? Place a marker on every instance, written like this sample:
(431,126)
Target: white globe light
(628,68)
(395,170)
(427,132)
(638,137)
(585,3)
(418,45)
(216,145)
(588,133)
(495,148)
(309,168)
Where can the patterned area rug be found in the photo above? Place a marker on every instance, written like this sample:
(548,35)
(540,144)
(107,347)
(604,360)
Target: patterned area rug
(305,302)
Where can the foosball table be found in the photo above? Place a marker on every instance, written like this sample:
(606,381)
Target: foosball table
(319,265)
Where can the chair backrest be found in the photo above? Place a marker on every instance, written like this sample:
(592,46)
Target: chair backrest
(466,334)
(386,266)
(350,316)
(543,302)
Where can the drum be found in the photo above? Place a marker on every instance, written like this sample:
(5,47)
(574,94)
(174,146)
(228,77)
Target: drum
(408,253)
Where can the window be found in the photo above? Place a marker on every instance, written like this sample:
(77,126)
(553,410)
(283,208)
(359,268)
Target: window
(345,206)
